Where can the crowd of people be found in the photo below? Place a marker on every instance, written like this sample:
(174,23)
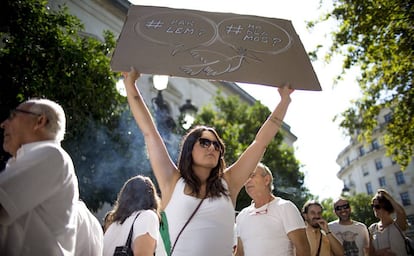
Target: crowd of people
(41,213)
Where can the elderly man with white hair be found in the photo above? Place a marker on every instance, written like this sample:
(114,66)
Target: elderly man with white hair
(271,225)
(38,187)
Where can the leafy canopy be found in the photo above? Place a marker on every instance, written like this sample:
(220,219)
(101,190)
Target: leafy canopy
(44,53)
(237,123)
(377,36)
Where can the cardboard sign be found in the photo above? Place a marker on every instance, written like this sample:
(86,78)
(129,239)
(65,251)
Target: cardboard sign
(215,46)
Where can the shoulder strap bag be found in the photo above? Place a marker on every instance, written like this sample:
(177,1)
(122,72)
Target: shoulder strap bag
(408,242)
(185,225)
(126,250)
(320,243)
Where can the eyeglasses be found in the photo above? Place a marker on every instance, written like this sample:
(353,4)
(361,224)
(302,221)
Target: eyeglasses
(341,207)
(14,112)
(206,143)
(376,206)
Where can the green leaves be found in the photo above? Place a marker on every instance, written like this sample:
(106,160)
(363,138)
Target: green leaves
(238,123)
(45,53)
(379,39)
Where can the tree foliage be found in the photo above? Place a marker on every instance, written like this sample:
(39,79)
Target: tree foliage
(237,123)
(377,36)
(361,208)
(328,213)
(43,53)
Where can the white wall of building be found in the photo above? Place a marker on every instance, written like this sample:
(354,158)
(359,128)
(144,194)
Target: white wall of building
(365,167)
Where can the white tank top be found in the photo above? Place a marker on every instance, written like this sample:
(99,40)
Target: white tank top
(210,231)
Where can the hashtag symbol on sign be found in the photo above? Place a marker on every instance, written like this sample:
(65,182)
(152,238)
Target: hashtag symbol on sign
(154,24)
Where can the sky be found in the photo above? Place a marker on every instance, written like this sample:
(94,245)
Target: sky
(311,113)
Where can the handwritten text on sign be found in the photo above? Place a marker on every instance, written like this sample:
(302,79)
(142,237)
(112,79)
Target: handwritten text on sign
(213,46)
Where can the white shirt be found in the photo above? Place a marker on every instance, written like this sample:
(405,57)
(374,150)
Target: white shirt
(264,230)
(210,231)
(117,234)
(89,232)
(37,192)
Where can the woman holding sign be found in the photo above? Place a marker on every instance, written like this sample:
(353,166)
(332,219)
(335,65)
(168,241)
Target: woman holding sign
(199,193)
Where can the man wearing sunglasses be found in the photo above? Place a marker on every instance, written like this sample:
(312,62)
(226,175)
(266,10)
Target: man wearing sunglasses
(352,234)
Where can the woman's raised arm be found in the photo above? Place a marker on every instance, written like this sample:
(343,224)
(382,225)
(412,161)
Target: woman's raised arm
(238,173)
(401,216)
(163,167)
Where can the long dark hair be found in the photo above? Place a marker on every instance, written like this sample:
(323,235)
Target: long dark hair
(214,187)
(137,193)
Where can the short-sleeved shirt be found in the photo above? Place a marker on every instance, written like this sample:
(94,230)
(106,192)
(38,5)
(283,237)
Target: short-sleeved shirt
(38,189)
(117,234)
(390,237)
(354,237)
(264,230)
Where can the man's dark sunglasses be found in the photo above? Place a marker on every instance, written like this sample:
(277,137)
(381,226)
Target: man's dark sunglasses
(341,207)
(206,143)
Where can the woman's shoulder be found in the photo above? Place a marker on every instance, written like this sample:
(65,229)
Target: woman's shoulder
(147,219)
(147,214)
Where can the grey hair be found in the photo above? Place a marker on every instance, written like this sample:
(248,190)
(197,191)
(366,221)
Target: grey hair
(266,171)
(56,120)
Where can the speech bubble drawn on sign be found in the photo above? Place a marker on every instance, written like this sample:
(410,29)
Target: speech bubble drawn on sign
(219,46)
(245,36)
(181,31)
(254,34)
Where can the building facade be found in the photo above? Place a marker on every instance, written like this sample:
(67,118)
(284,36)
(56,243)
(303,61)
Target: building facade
(365,167)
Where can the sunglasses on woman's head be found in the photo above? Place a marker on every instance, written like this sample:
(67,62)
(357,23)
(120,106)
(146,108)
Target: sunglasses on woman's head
(206,143)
